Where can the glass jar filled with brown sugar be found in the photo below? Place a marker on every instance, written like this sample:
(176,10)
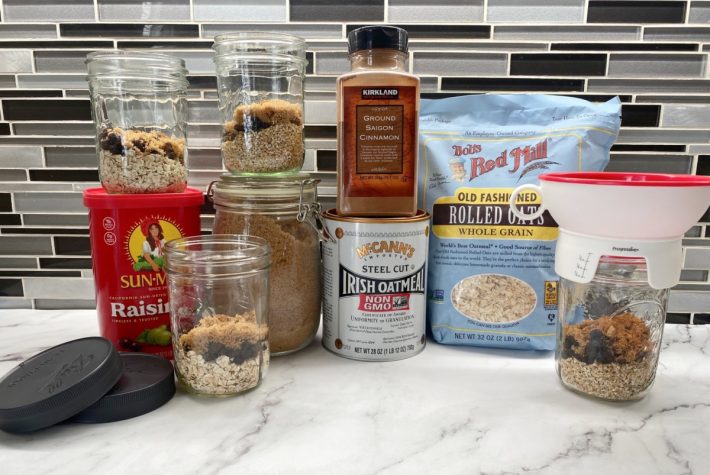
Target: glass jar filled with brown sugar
(609,331)
(282,211)
(378,117)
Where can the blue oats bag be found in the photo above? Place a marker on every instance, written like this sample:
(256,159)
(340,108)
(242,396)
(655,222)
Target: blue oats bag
(491,276)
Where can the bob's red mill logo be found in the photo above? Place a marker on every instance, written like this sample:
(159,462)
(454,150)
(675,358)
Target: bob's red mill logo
(514,159)
(385,247)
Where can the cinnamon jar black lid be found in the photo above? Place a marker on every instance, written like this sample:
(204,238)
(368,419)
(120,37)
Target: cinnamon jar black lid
(377,37)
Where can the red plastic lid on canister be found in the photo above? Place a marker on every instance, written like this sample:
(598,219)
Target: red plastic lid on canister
(99,198)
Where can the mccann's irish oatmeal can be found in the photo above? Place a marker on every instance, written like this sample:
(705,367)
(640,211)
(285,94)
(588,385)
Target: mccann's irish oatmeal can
(374,286)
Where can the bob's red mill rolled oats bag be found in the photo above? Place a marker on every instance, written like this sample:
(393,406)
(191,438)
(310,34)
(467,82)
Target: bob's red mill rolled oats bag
(491,278)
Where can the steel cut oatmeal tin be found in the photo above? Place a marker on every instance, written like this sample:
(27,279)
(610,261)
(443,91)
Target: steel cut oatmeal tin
(374,286)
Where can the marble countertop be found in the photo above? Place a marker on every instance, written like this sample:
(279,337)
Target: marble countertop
(448,410)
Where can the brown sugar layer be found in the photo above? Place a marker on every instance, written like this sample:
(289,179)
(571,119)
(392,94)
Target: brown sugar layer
(619,339)
(294,283)
(266,113)
(117,141)
(239,337)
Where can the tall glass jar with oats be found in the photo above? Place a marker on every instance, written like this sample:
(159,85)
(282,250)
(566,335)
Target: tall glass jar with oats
(139,106)
(281,210)
(260,80)
(609,331)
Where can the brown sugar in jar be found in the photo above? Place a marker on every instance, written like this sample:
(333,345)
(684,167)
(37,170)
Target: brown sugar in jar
(269,208)
(378,116)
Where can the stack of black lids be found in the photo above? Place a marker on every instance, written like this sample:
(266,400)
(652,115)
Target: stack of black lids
(83,380)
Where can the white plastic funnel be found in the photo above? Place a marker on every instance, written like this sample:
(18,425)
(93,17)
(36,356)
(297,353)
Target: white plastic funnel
(620,214)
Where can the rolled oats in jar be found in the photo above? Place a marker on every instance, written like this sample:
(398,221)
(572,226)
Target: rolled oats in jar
(139,108)
(282,211)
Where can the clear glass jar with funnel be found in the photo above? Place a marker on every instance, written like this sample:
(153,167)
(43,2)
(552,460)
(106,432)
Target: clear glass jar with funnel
(618,253)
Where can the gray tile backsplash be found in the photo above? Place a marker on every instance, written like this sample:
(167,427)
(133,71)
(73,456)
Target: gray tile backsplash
(663,33)
(686,115)
(52,81)
(25,245)
(699,12)
(63,157)
(57,220)
(28,31)
(141,10)
(21,157)
(655,65)
(240,10)
(44,202)
(60,61)
(307,30)
(48,10)
(567,33)
(655,57)
(427,11)
(460,64)
(544,11)
(16,61)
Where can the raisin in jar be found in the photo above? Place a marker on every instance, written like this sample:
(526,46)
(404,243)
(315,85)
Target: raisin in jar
(609,331)
(139,106)
(281,210)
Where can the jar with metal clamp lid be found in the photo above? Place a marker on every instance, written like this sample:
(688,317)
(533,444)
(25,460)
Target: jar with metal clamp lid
(284,211)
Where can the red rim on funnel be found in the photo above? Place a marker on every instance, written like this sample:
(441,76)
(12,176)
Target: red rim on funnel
(626,179)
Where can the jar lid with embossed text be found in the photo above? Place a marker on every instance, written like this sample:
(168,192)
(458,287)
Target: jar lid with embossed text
(58,383)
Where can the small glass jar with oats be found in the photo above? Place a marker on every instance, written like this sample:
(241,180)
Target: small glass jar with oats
(609,331)
(283,211)
(139,106)
(260,80)
(219,287)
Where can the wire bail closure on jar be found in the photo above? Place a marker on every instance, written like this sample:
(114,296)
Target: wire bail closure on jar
(313,211)
(308,209)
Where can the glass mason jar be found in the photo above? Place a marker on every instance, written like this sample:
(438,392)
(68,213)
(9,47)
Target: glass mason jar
(260,80)
(139,107)
(609,331)
(219,287)
(280,210)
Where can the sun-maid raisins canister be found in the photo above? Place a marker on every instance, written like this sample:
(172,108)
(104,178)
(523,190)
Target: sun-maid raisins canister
(128,236)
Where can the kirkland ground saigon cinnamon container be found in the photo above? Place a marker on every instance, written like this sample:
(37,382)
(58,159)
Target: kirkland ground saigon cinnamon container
(128,236)
(378,115)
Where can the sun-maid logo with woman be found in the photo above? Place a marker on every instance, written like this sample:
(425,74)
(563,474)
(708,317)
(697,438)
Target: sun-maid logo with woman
(146,242)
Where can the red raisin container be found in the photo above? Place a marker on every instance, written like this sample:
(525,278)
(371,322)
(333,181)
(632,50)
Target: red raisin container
(128,235)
